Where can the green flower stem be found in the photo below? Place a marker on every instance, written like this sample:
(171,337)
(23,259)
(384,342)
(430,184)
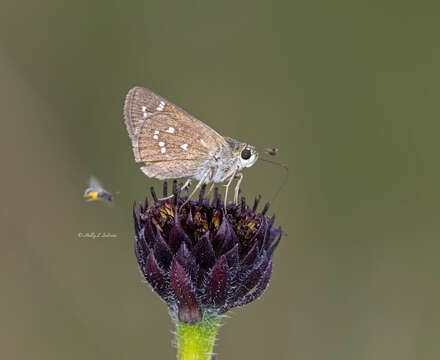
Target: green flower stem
(196,341)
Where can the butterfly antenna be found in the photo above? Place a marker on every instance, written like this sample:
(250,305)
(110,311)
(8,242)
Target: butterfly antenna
(271,151)
(286,176)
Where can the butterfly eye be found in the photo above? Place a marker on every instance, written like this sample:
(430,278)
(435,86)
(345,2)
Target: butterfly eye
(246,154)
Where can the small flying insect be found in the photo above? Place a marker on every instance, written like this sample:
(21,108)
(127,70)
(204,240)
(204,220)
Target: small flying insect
(173,144)
(96,192)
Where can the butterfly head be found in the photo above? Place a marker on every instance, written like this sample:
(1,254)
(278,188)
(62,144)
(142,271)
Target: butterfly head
(248,156)
(245,154)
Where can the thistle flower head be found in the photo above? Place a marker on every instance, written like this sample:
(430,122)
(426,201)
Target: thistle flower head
(200,258)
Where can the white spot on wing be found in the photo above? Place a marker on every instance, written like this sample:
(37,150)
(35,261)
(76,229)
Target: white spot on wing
(170,130)
(203,142)
(155,137)
(138,127)
(184,146)
(161,106)
(144,111)
(161,143)
(140,122)
(163,150)
(156,132)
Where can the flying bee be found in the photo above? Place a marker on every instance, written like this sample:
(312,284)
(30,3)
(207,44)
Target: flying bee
(96,192)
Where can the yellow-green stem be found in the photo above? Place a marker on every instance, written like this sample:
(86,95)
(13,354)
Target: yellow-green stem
(196,341)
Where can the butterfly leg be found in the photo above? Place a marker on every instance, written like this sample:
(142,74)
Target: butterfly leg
(237,187)
(227,186)
(187,183)
(198,186)
(210,190)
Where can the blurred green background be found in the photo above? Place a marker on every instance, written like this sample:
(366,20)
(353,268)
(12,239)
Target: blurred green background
(348,90)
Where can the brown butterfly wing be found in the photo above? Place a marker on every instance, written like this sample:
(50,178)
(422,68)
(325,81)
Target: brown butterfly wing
(167,138)
(141,103)
(172,169)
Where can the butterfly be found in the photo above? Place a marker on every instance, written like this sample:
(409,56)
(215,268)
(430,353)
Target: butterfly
(173,144)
